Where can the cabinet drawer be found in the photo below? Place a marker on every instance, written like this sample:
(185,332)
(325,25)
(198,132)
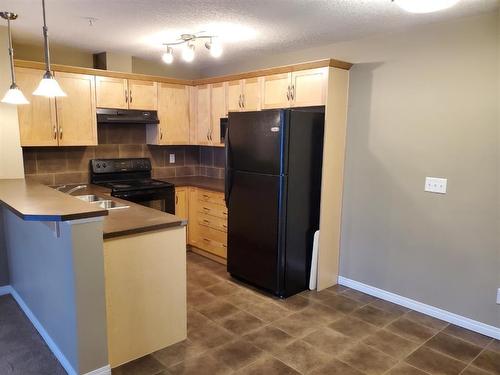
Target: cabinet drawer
(208,233)
(212,209)
(212,222)
(211,196)
(214,247)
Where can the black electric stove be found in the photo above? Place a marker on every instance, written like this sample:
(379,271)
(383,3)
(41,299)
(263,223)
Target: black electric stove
(130,179)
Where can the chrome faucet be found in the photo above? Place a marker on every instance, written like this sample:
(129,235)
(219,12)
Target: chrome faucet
(79,187)
(59,188)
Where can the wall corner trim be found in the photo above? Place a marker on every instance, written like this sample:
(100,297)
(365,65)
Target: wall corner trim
(435,312)
(7,289)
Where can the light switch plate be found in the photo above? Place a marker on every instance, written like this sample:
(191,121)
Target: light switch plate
(171,158)
(435,185)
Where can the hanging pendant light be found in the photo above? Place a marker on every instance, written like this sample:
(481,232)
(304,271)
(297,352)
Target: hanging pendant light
(13,95)
(48,85)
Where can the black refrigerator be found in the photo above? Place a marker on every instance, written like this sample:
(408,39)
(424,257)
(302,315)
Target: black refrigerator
(273,191)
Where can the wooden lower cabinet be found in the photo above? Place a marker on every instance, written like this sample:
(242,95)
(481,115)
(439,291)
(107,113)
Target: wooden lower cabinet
(207,222)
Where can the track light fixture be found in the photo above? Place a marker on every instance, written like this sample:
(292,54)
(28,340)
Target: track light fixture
(187,41)
(14,95)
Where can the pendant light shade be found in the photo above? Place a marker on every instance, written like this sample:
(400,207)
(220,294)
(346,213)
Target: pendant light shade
(48,85)
(14,95)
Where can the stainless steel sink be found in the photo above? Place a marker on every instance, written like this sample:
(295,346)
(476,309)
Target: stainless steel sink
(90,198)
(109,204)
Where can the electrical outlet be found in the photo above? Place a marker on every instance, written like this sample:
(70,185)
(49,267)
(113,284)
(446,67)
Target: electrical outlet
(171,158)
(435,185)
(498,296)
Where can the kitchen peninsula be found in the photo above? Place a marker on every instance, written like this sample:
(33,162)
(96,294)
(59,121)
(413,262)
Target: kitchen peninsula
(73,264)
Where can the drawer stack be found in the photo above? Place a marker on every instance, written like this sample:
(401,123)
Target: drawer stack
(207,222)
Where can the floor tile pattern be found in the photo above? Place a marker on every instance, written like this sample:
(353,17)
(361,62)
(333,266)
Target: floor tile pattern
(235,329)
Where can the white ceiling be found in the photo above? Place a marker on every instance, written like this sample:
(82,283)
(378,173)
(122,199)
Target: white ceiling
(247,27)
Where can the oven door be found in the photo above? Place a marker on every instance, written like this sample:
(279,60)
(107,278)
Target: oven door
(160,199)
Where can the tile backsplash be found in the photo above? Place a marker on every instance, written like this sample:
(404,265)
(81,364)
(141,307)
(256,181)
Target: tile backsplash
(63,165)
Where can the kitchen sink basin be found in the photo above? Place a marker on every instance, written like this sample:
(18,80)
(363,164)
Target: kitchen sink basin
(109,204)
(90,198)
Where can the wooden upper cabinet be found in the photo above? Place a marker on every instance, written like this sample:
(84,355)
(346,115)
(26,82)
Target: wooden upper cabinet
(173,112)
(203,127)
(142,95)
(76,112)
(37,120)
(218,110)
(111,92)
(251,94)
(233,96)
(309,87)
(275,91)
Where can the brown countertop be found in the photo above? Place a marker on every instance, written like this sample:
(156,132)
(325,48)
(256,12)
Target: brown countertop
(35,202)
(208,183)
(132,220)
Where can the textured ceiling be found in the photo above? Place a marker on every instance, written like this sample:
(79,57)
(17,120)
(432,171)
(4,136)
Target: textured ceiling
(250,27)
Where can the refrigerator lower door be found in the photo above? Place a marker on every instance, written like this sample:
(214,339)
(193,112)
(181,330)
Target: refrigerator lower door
(253,229)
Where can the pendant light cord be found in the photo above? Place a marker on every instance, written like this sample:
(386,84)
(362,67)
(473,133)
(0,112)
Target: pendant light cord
(46,41)
(11,56)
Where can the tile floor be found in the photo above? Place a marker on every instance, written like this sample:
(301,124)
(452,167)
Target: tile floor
(233,329)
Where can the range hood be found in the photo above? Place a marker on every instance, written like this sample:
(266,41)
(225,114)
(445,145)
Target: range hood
(126,116)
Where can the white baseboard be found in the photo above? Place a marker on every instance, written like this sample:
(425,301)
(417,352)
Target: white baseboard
(438,313)
(6,289)
(106,370)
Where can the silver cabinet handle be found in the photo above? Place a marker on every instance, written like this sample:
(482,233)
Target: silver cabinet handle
(288,92)
(239,102)
(243,100)
(130,96)
(60,132)
(126,96)
(292,92)
(161,135)
(55,132)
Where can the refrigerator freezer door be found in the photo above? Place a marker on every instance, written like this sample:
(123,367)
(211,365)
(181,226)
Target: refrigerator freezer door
(255,140)
(253,229)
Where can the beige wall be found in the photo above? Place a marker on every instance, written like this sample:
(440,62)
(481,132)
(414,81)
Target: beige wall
(58,54)
(158,68)
(422,103)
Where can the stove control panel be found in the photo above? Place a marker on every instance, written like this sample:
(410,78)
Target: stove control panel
(99,166)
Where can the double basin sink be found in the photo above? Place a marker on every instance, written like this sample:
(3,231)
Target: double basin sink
(107,204)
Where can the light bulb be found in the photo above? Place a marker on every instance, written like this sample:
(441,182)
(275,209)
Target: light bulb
(14,96)
(188,52)
(215,48)
(49,87)
(168,57)
(425,6)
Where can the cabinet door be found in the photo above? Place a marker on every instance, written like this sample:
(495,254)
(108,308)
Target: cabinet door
(76,112)
(142,95)
(181,203)
(218,110)
(233,96)
(251,94)
(173,111)
(37,120)
(111,92)
(203,115)
(193,226)
(309,87)
(275,91)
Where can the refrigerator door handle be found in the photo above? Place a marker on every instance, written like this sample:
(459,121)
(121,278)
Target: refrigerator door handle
(227,173)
